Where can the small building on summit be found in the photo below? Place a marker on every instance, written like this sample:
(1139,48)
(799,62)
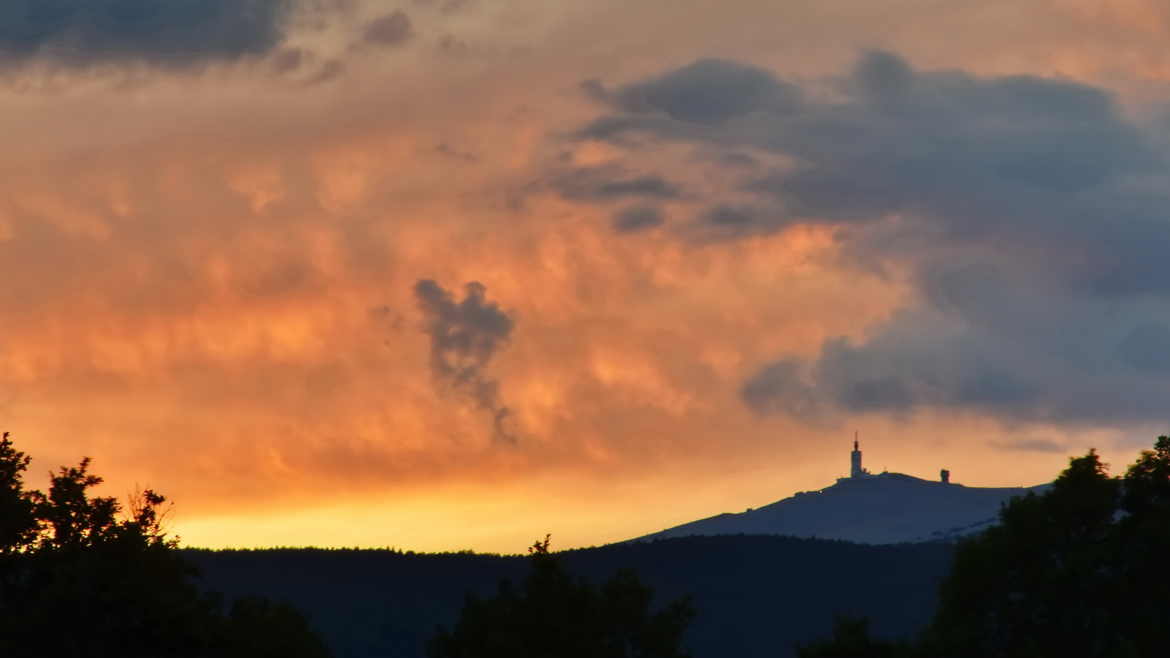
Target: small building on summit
(883,507)
(855,469)
(858,472)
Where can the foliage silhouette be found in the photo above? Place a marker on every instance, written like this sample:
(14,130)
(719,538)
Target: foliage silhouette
(540,547)
(553,614)
(81,576)
(851,639)
(1143,547)
(259,628)
(1078,570)
(18,522)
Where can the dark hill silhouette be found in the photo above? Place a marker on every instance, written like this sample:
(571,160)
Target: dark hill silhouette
(886,508)
(755,596)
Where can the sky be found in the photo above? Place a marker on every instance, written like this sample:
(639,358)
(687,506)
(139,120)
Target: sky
(451,274)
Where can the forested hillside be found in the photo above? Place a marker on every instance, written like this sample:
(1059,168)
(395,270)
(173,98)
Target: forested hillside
(754,596)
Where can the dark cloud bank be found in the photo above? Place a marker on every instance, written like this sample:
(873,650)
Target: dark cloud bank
(80,32)
(1033,215)
(465,336)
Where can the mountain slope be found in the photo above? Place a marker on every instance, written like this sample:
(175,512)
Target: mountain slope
(887,508)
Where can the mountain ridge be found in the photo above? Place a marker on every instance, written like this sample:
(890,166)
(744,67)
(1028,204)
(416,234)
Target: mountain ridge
(883,508)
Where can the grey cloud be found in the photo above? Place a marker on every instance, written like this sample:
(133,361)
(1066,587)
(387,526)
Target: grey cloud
(738,160)
(1146,348)
(596,90)
(974,157)
(725,215)
(449,151)
(304,66)
(644,186)
(453,46)
(390,30)
(637,218)
(883,77)
(465,336)
(979,159)
(177,32)
(710,91)
(731,221)
(1065,360)
(330,70)
(887,393)
(605,184)
(289,60)
(860,381)
(1031,214)
(781,388)
(995,388)
(620,128)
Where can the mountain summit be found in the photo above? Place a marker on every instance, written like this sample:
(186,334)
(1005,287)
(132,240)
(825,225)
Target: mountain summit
(883,508)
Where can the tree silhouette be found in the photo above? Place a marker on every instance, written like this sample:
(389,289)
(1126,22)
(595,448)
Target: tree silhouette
(80,576)
(553,614)
(18,522)
(259,628)
(1076,571)
(850,639)
(1143,547)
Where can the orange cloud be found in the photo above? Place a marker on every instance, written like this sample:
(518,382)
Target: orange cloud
(208,285)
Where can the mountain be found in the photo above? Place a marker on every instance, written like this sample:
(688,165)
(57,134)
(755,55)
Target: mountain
(755,597)
(887,508)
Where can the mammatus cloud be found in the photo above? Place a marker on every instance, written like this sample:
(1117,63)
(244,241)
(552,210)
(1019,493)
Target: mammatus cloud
(83,32)
(465,335)
(1030,215)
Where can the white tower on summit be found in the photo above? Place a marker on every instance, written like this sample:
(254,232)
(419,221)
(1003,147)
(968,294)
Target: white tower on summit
(855,469)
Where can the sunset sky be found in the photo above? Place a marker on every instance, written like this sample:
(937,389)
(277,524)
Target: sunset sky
(447,274)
